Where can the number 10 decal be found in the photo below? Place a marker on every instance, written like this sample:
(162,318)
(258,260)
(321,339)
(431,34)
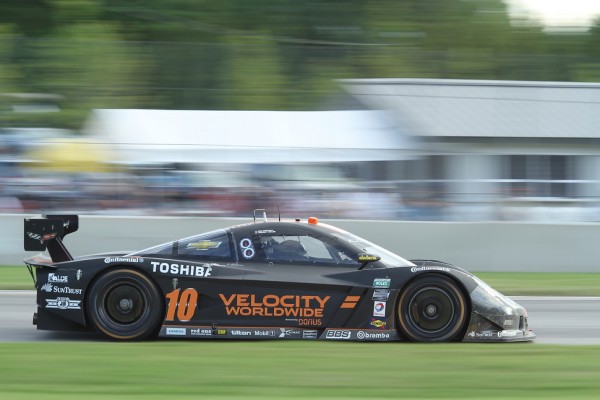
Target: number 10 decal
(184,305)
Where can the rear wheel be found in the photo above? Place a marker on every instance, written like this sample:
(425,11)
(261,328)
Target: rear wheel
(124,304)
(432,308)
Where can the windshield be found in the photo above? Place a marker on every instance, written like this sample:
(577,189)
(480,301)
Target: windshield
(387,257)
(213,244)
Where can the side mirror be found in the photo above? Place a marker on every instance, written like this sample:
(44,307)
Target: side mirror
(367,258)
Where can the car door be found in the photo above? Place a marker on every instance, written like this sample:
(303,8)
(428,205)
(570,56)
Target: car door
(294,278)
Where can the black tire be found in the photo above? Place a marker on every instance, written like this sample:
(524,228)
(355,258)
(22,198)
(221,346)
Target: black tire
(125,304)
(432,308)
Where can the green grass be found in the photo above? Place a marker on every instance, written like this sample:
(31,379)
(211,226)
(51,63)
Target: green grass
(15,278)
(297,370)
(509,283)
(543,283)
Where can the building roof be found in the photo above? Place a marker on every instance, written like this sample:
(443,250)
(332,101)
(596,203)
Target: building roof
(479,108)
(249,136)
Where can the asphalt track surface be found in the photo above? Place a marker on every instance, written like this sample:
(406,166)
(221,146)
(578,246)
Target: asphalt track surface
(555,320)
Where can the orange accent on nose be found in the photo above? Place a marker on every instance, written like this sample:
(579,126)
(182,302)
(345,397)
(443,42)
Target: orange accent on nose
(313,220)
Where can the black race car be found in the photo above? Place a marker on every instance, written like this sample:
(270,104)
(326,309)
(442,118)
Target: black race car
(299,279)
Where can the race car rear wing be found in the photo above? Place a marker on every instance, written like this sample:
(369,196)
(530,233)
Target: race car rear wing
(48,232)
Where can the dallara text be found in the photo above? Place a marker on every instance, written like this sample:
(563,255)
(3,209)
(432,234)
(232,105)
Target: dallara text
(298,279)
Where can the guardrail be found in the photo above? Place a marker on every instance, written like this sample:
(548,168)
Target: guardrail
(475,246)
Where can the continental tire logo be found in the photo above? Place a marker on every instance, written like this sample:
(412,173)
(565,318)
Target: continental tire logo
(421,269)
(109,260)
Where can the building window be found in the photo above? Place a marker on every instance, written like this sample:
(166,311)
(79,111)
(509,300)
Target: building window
(425,178)
(540,176)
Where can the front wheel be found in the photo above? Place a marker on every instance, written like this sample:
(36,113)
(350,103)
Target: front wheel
(432,308)
(124,304)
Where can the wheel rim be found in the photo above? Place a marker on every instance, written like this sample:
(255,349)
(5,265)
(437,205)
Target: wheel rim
(124,304)
(431,310)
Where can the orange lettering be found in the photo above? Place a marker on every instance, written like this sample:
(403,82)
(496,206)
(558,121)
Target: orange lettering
(307,300)
(225,300)
(232,310)
(283,300)
(271,300)
(292,311)
(253,302)
(173,297)
(322,301)
(242,300)
(246,311)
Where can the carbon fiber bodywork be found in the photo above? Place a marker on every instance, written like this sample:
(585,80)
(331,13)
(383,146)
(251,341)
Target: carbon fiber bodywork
(241,292)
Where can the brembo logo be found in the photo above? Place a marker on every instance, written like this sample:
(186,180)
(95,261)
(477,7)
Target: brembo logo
(272,305)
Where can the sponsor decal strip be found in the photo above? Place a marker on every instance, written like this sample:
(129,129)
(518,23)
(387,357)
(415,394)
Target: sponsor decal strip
(63,303)
(381,294)
(379,308)
(241,331)
(432,268)
(271,305)
(134,259)
(381,283)
(55,278)
(48,287)
(201,271)
(360,334)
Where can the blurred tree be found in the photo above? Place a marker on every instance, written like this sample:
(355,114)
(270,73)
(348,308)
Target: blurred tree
(588,70)
(9,74)
(91,67)
(30,17)
(255,78)
(263,54)
(85,62)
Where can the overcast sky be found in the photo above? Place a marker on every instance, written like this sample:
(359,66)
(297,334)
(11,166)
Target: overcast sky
(557,13)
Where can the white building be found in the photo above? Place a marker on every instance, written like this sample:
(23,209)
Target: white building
(498,149)
(453,149)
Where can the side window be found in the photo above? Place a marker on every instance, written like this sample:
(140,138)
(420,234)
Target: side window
(279,248)
(305,249)
(213,246)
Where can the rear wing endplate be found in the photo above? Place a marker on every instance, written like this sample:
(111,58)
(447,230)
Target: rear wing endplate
(48,232)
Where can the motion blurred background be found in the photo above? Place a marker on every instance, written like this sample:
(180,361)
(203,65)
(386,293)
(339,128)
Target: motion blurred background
(440,110)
